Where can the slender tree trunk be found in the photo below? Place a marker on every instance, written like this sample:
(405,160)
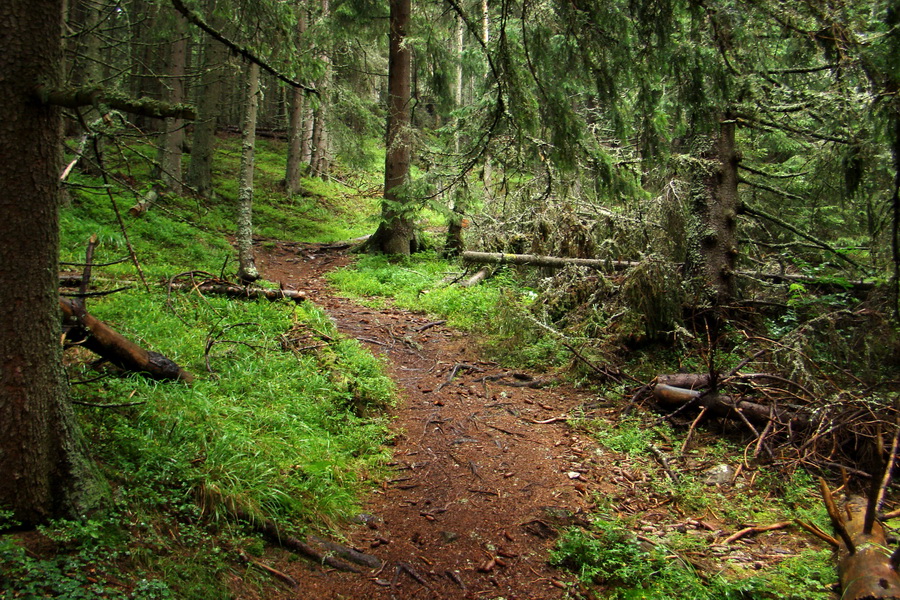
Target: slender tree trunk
(319,161)
(715,197)
(174,133)
(199,174)
(43,471)
(295,120)
(246,265)
(455,243)
(397,234)
(309,118)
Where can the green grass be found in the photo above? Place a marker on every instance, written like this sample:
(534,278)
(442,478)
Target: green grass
(285,419)
(609,561)
(497,309)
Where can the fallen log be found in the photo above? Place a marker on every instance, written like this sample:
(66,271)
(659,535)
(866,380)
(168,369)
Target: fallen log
(84,329)
(239,291)
(534,260)
(143,205)
(725,406)
(865,566)
(477,278)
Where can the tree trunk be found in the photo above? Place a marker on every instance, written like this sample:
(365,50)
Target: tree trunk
(209,95)
(397,233)
(247,271)
(295,119)
(44,473)
(866,568)
(318,162)
(173,136)
(715,198)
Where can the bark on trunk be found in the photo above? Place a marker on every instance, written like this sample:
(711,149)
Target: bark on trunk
(247,270)
(44,472)
(86,330)
(295,120)
(715,212)
(173,137)
(199,174)
(865,570)
(397,232)
(318,162)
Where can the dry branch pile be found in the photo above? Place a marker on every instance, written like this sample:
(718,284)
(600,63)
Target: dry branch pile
(789,422)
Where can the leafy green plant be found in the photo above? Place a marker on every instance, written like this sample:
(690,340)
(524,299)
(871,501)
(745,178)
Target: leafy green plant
(607,553)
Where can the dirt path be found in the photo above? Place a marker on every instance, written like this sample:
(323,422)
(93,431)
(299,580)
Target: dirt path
(486,470)
(478,480)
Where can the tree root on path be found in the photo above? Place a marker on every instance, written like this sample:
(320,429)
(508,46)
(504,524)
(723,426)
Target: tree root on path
(320,550)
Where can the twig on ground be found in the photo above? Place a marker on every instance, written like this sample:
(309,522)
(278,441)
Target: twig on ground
(757,529)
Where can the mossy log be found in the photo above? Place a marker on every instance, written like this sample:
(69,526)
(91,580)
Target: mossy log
(86,330)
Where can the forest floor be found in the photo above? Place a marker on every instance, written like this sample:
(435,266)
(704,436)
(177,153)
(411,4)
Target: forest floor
(486,470)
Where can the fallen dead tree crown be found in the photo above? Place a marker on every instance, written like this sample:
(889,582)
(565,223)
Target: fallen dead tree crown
(557,262)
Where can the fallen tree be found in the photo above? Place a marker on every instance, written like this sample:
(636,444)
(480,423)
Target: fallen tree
(82,328)
(238,291)
(720,405)
(535,260)
(558,262)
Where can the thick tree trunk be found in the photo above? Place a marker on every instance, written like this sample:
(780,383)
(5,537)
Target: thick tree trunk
(199,174)
(86,330)
(397,232)
(43,470)
(247,270)
(715,199)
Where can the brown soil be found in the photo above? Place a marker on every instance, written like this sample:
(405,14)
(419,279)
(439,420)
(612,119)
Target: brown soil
(484,471)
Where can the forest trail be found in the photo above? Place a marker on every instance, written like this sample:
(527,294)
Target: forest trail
(486,470)
(484,467)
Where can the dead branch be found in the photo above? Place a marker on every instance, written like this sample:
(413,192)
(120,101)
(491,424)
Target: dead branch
(757,529)
(427,326)
(664,462)
(456,369)
(477,278)
(285,578)
(238,291)
(811,528)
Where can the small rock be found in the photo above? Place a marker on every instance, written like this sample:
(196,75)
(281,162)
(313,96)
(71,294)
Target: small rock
(449,536)
(721,474)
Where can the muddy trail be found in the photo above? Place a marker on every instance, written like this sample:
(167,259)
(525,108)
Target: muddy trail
(486,470)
